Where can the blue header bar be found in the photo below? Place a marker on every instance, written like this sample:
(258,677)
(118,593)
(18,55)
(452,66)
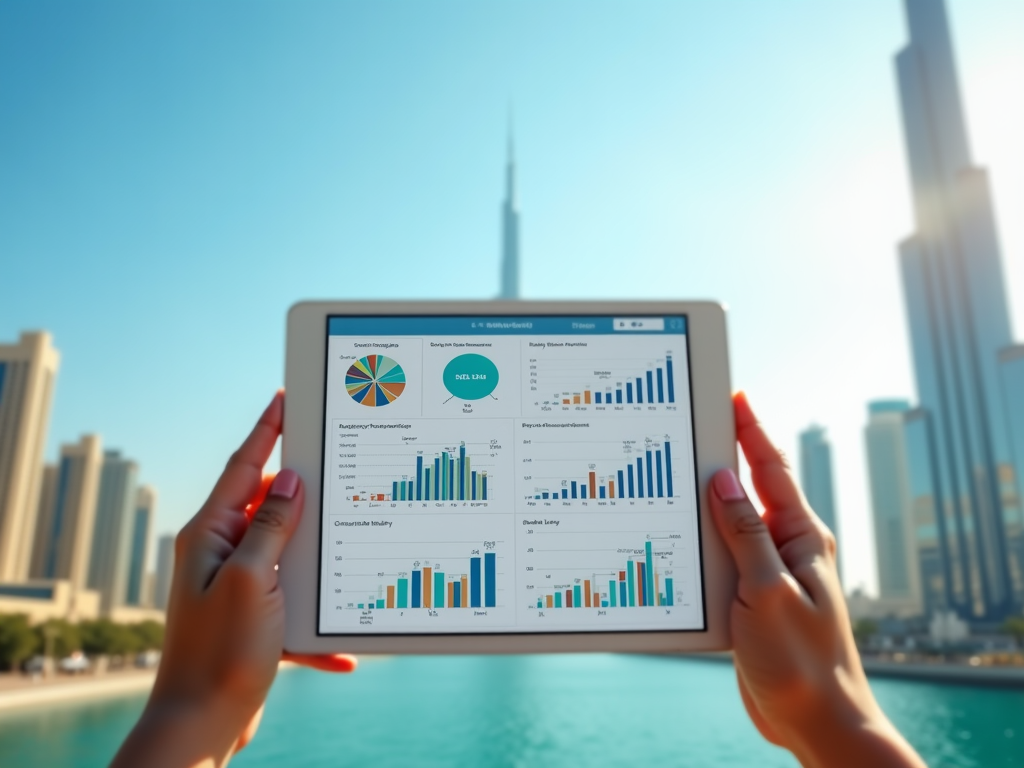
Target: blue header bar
(519,325)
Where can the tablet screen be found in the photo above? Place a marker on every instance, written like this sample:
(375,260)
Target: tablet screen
(508,475)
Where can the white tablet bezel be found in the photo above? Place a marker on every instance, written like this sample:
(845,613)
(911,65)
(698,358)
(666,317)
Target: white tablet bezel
(715,444)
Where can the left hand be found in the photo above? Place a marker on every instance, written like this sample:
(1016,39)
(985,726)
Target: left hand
(225,620)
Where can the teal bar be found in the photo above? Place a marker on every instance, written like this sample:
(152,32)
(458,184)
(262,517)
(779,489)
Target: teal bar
(445,490)
(631,581)
(649,586)
(613,587)
(403,593)
(380,603)
(438,589)
(401,491)
(604,603)
(577,597)
(669,596)
(360,605)
(558,599)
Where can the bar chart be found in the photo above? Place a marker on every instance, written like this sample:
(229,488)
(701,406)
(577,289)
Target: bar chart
(429,587)
(638,585)
(597,568)
(415,467)
(646,378)
(601,462)
(429,572)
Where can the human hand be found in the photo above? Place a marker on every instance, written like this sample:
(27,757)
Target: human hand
(799,672)
(225,621)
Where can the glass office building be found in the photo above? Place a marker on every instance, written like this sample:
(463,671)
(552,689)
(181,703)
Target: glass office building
(959,321)
(816,476)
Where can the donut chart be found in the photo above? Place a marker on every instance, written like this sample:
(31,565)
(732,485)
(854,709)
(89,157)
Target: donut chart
(375,380)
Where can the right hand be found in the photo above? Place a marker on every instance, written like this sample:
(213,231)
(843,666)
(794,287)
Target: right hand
(799,672)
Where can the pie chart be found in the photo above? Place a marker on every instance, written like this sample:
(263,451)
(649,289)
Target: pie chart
(374,380)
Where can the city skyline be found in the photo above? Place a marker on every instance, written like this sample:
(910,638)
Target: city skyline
(646,178)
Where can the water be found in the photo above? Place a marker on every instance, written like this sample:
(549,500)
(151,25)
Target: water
(527,711)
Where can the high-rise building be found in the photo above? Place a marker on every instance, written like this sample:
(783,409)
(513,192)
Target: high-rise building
(164,571)
(111,540)
(510,230)
(816,476)
(899,584)
(67,513)
(959,321)
(145,509)
(1011,366)
(28,372)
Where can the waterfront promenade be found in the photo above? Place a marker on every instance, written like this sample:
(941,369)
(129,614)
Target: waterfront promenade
(19,691)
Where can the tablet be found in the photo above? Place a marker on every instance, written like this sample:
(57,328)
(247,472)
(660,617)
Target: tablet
(488,477)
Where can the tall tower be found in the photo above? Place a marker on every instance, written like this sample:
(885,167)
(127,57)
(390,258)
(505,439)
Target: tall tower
(816,476)
(899,575)
(67,513)
(510,228)
(28,371)
(142,526)
(164,571)
(111,540)
(959,321)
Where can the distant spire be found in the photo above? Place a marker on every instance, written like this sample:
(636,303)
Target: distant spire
(510,223)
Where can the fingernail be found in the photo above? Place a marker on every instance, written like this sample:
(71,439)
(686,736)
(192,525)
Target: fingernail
(727,486)
(285,485)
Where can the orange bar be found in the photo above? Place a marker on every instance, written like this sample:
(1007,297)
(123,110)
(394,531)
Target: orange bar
(391,597)
(586,592)
(465,591)
(568,598)
(611,489)
(355,498)
(551,601)
(593,485)
(565,401)
(622,575)
(451,593)
(427,582)
(586,396)
(576,399)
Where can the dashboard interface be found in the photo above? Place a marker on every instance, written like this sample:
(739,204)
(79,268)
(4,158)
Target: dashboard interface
(508,475)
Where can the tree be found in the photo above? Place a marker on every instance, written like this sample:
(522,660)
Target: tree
(864,629)
(1014,626)
(17,640)
(104,637)
(149,635)
(58,638)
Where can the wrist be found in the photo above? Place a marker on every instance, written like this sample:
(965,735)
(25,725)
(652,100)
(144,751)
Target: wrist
(176,732)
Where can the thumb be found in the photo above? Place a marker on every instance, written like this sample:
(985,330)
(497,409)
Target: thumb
(272,525)
(745,533)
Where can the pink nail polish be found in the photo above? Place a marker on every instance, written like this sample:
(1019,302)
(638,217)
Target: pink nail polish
(285,485)
(728,487)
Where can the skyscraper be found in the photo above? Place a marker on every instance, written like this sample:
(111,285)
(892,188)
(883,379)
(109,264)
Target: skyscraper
(67,514)
(958,318)
(142,525)
(111,540)
(899,584)
(1011,368)
(816,476)
(510,229)
(28,371)
(164,571)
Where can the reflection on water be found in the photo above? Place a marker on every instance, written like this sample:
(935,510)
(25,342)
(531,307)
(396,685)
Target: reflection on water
(528,711)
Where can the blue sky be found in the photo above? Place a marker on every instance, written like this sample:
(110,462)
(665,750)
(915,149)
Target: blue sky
(174,175)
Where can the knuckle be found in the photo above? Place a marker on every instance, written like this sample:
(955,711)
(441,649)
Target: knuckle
(238,578)
(748,523)
(270,517)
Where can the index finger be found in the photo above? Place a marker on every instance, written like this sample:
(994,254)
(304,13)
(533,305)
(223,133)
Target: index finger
(240,482)
(786,511)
